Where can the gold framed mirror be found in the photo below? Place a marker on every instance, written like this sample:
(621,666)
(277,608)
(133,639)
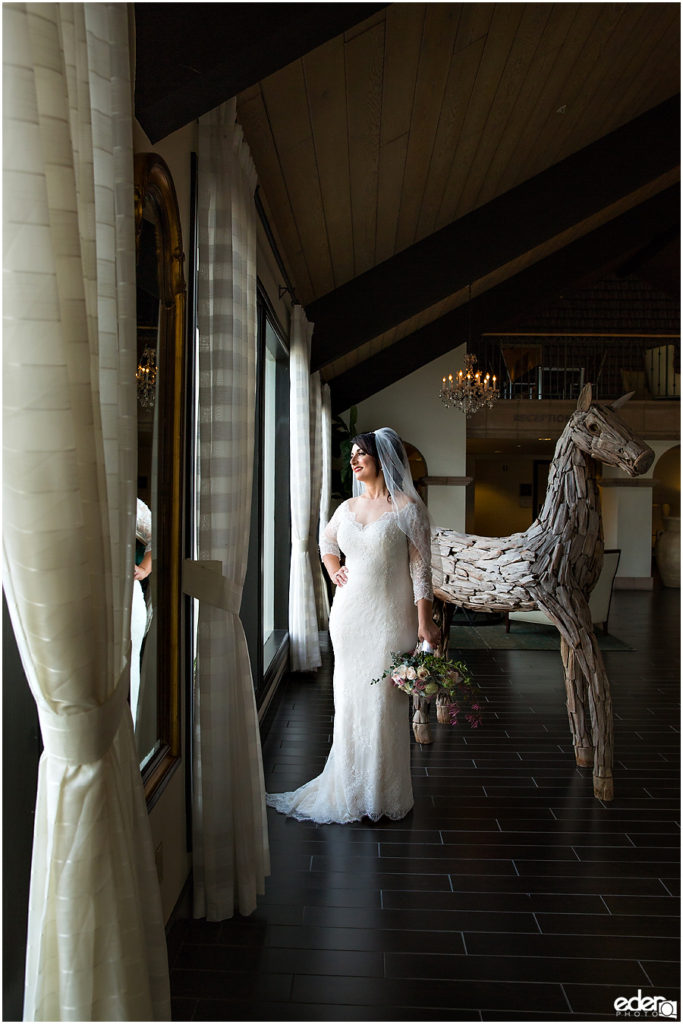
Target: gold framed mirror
(155,623)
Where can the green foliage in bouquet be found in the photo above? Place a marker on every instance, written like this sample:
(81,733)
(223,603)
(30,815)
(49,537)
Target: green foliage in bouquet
(428,676)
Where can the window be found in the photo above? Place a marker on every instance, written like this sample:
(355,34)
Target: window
(265,603)
(269,432)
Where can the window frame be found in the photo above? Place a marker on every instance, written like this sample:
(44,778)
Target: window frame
(268,653)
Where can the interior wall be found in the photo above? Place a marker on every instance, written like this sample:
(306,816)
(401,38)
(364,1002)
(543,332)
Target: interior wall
(499,509)
(412,407)
(628,516)
(627,525)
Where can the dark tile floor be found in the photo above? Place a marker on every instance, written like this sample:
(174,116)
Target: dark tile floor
(508,893)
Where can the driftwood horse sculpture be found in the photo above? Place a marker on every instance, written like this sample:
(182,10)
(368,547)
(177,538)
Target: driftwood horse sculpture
(553,566)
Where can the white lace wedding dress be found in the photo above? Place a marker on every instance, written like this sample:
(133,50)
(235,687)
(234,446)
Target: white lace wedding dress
(368,769)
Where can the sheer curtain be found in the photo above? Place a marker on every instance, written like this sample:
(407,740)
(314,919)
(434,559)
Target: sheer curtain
(230,857)
(304,645)
(326,454)
(96,946)
(322,603)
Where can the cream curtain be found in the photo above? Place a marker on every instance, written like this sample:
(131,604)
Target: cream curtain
(322,603)
(231,857)
(96,946)
(304,645)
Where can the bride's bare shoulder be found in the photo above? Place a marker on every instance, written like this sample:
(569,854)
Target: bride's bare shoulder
(402,501)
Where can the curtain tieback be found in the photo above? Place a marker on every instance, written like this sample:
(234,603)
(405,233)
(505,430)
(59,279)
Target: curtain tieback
(205,581)
(86,736)
(300,545)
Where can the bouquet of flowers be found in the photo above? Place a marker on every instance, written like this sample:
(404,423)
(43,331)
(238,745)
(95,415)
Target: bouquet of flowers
(428,677)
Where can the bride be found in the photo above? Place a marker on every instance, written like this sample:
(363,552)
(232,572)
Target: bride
(383,602)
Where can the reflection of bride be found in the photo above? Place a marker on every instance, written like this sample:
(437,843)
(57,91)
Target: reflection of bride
(382,604)
(141,611)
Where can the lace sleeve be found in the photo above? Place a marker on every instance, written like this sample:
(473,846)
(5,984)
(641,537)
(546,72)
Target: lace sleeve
(328,536)
(420,570)
(143,525)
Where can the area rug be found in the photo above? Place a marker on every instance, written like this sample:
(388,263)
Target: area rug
(523,636)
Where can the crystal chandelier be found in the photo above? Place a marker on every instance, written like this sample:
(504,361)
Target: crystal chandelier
(469,391)
(146,376)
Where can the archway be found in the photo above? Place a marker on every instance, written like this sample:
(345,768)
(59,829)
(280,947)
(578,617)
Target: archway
(418,469)
(666,494)
(666,516)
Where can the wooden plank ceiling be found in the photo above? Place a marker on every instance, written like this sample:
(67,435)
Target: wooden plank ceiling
(388,136)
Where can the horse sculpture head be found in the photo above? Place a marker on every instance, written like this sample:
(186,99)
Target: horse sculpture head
(600,432)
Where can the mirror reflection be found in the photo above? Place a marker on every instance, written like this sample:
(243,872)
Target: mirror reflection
(160,382)
(143,682)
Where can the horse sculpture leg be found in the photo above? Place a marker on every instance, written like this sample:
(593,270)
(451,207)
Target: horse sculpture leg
(443,615)
(576,706)
(585,677)
(589,659)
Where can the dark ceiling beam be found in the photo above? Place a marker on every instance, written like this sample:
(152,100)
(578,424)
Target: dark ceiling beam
(192,56)
(592,256)
(480,242)
(668,241)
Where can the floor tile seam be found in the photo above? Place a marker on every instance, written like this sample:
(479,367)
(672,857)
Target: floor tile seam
(250,974)
(484,979)
(602,833)
(551,835)
(564,993)
(477,860)
(570,892)
(418,927)
(487,867)
(660,913)
(668,890)
(401,929)
(503,893)
(587,863)
(652,861)
(567,956)
(464,934)
(661,960)
(523,956)
(472,981)
(557,848)
(610,935)
(528,912)
(579,913)
(602,984)
(548,838)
